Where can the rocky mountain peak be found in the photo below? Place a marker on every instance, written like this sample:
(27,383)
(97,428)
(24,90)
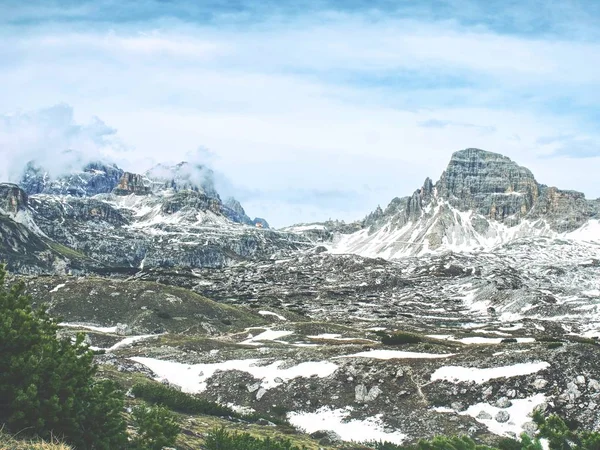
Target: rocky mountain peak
(93,178)
(487,183)
(12,198)
(482,199)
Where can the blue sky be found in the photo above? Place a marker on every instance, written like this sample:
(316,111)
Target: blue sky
(309,110)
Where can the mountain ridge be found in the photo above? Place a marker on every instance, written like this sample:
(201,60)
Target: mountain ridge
(481,200)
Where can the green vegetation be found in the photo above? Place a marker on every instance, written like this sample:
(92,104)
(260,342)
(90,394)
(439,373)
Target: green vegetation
(179,401)
(560,436)
(48,387)
(157,427)
(401,337)
(221,439)
(46,384)
(176,400)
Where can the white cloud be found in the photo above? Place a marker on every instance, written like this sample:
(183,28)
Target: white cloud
(313,104)
(53,139)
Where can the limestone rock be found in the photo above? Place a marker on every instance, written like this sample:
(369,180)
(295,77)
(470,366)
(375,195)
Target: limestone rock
(502,416)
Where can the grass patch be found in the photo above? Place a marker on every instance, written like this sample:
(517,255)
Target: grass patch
(67,252)
(401,337)
(219,439)
(10,443)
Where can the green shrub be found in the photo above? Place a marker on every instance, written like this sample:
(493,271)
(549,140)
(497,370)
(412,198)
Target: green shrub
(157,427)
(221,439)
(191,404)
(179,401)
(562,436)
(46,384)
(401,337)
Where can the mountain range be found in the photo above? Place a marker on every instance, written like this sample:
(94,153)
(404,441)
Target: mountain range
(487,278)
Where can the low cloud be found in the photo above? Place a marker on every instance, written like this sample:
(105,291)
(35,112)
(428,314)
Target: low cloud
(570,146)
(436,123)
(54,140)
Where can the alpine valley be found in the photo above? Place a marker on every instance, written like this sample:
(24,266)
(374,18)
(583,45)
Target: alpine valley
(458,309)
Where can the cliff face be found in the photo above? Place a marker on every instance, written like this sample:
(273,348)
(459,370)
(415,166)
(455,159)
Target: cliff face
(489,184)
(131,183)
(12,198)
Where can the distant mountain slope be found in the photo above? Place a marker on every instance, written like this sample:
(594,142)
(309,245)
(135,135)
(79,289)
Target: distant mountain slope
(482,200)
(108,219)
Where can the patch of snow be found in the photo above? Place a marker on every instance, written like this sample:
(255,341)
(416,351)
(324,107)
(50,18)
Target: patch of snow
(62,285)
(268,335)
(456,374)
(192,378)
(396,354)
(519,413)
(89,327)
(130,340)
(269,313)
(371,429)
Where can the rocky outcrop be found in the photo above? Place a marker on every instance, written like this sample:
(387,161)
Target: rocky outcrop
(489,184)
(234,211)
(131,183)
(12,198)
(94,178)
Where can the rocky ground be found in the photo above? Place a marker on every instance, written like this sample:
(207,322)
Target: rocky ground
(302,336)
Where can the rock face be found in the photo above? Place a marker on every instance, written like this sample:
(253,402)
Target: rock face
(482,200)
(235,211)
(487,183)
(12,198)
(131,183)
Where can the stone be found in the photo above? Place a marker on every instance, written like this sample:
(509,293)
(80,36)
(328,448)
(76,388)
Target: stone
(503,402)
(457,406)
(360,393)
(594,385)
(530,428)
(253,387)
(124,330)
(327,437)
(580,380)
(540,384)
(260,393)
(502,416)
(484,415)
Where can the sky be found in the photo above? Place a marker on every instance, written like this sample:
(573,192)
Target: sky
(309,109)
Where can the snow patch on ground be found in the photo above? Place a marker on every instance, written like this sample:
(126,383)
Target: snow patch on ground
(396,354)
(519,412)
(89,327)
(62,285)
(371,429)
(457,374)
(268,335)
(269,313)
(192,378)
